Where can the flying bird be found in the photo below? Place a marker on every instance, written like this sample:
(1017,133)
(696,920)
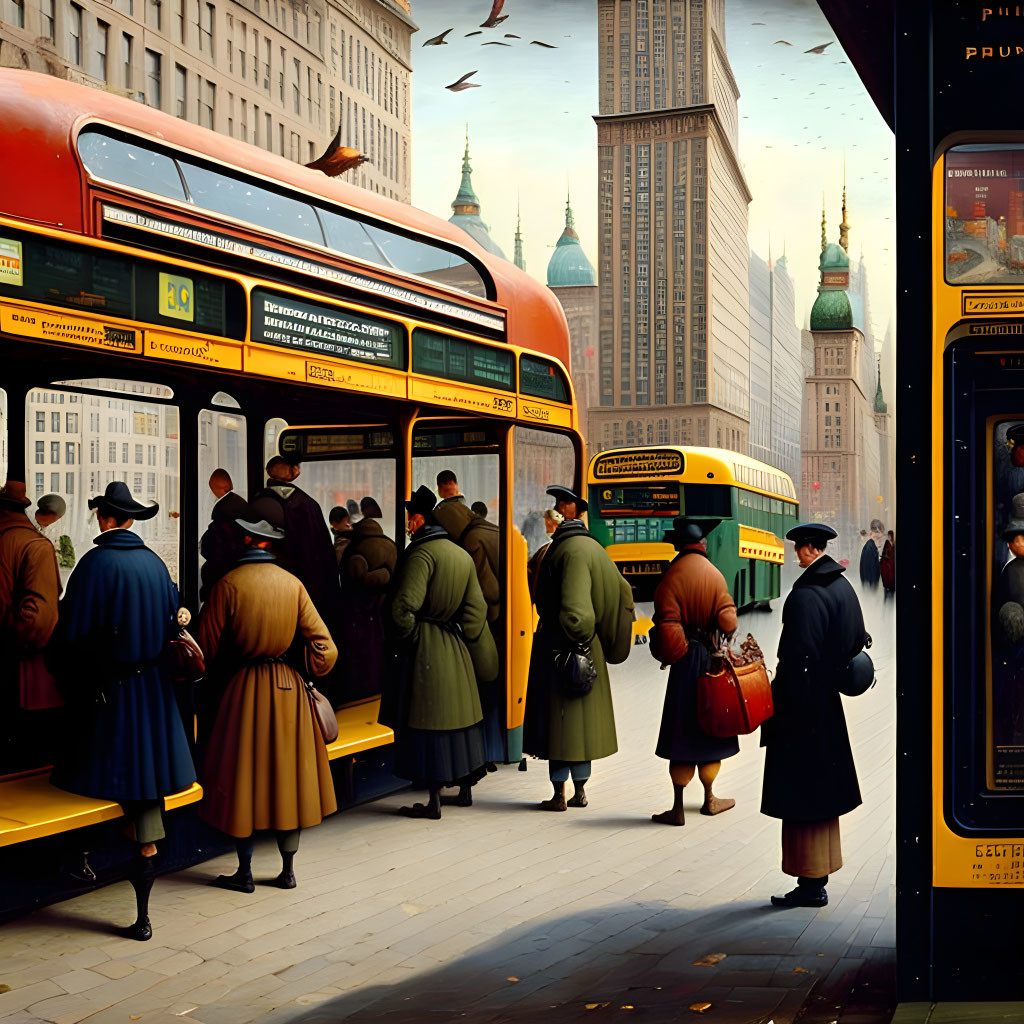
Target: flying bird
(757,23)
(438,40)
(468,34)
(494,42)
(537,42)
(510,35)
(819,49)
(461,84)
(782,42)
(337,159)
(493,18)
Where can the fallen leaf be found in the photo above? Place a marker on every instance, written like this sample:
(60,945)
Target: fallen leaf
(595,1006)
(511,979)
(700,1007)
(799,970)
(710,960)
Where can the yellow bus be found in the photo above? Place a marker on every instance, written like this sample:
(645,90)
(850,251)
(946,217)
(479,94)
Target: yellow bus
(636,493)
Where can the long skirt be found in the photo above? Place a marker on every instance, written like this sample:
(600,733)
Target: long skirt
(130,747)
(440,757)
(681,738)
(811,848)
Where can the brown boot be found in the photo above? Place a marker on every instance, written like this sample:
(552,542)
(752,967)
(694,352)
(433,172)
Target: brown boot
(717,804)
(557,800)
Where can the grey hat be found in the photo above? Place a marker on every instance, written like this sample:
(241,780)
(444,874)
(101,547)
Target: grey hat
(260,528)
(1016,523)
(53,504)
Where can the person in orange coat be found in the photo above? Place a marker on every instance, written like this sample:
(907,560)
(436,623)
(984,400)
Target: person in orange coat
(266,764)
(692,606)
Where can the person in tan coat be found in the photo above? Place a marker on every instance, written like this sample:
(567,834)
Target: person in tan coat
(692,606)
(266,766)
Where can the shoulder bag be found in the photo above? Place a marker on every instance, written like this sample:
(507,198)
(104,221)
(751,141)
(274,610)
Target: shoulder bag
(323,713)
(575,669)
(183,658)
(735,696)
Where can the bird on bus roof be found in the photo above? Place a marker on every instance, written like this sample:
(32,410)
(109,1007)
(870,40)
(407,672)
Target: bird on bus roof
(337,159)
(493,18)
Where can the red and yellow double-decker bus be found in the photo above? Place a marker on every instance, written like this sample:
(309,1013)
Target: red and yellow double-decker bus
(174,302)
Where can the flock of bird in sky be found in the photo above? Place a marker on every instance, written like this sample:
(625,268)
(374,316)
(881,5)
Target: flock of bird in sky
(494,19)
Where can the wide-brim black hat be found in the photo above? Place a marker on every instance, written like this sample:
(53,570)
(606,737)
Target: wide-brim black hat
(564,494)
(118,500)
(260,528)
(690,531)
(818,534)
(423,501)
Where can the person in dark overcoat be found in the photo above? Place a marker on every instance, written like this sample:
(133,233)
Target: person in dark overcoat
(266,765)
(440,620)
(809,775)
(887,565)
(584,605)
(366,570)
(341,528)
(692,608)
(221,545)
(126,741)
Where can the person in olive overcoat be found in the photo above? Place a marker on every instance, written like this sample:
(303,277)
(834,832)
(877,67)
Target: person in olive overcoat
(692,607)
(809,775)
(584,605)
(266,764)
(440,619)
(367,568)
(125,738)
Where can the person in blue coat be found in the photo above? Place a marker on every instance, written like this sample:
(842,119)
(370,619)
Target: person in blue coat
(126,741)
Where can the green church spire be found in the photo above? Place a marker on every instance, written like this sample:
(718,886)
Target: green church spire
(466,201)
(517,257)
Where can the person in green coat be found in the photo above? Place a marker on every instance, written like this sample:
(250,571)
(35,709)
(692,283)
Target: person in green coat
(439,616)
(584,605)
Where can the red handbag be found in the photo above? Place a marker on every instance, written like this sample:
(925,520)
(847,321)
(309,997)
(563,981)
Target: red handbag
(735,696)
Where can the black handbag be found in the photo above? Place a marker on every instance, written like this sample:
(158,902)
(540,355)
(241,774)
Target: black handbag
(576,671)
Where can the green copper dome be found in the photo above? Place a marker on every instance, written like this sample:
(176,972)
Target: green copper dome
(833,257)
(831,311)
(569,266)
(467,209)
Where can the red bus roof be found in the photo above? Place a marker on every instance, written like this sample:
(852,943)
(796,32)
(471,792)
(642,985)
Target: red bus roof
(41,181)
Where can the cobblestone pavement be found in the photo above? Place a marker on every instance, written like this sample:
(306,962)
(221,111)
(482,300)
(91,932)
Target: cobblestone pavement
(504,913)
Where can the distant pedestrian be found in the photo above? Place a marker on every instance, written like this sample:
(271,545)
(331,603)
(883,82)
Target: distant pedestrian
(220,545)
(809,775)
(869,568)
(692,610)
(585,609)
(125,740)
(341,528)
(266,765)
(480,509)
(439,617)
(887,565)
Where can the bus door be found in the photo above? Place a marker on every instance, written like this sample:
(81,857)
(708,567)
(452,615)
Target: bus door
(355,468)
(463,460)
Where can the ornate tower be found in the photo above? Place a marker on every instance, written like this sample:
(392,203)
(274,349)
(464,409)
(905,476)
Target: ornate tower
(517,258)
(466,208)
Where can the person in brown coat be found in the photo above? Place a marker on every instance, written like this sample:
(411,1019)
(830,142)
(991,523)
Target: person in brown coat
(29,591)
(692,605)
(266,766)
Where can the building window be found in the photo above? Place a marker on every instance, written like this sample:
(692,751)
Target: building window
(124,453)
(40,453)
(126,59)
(71,421)
(112,451)
(69,453)
(40,484)
(154,13)
(55,422)
(138,455)
(13,12)
(46,19)
(207,104)
(40,422)
(206,31)
(296,95)
(55,482)
(55,452)
(153,76)
(137,483)
(69,483)
(181,91)
(75,34)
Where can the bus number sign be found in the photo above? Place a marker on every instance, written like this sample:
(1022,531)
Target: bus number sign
(642,463)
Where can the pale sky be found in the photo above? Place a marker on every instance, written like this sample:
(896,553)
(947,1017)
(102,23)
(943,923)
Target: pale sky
(532,135)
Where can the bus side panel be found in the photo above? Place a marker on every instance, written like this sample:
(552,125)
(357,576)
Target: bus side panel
(723,550)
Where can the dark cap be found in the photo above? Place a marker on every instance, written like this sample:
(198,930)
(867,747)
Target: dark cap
(564,494)
(260,528)
(422,502)
(370,509)
(117,500)
(818,534)
(338,514)
(689,531)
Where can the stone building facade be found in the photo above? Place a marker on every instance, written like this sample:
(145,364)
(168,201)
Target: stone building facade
(673,343)
(280,74)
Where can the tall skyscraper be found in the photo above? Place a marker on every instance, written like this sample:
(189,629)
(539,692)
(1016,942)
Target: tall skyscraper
(674,345)
(284,76)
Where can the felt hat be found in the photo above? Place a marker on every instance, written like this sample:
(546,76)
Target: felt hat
(422,502)
(53,504)
(117,500)
(12,495)
(1016,523)
(260,528)
(564,494)
(857,677)
(370,509)
(818,534)
(689,531)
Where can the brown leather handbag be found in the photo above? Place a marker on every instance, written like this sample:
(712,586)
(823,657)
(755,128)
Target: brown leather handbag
(323,713)
(735,696)
(183,659)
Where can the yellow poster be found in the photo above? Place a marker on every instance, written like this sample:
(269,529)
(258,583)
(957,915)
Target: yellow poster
(176,297)
(11,269)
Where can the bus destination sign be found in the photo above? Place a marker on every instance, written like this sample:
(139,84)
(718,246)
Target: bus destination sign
(639,463)
(325,330)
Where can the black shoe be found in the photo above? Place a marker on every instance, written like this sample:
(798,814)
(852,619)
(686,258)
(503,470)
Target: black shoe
(802,896)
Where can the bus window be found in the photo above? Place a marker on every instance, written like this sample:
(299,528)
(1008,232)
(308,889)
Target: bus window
(711,499)
(542,458)
(477,474)
(78,443)
(271,432)
(106,156)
